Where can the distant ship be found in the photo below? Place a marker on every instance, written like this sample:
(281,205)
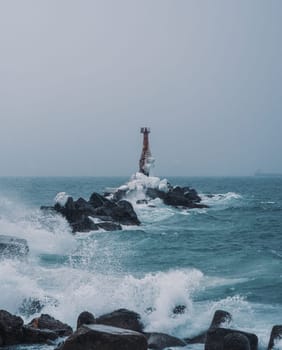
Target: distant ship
(261,173)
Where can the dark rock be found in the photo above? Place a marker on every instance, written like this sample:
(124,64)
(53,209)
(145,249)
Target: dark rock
(122,318)
(47,322)
(220,317)
(178,197)
(126,214)
(153,193)
(97,200)
(110,215)
(192,195)
(84,224)
(11,246)
(100,337)
(11,328)
(37,336)
(83,206)
(236,341)
(122,213)
(179,309)
(85,317)
(119,195)
(276,334)
(160,341)
(216,338)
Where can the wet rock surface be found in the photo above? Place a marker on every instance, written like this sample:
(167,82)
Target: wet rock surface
(11,328)
(177,196)
(276,334)
(85,317)
(161,341)
(46,321)
(97,213)
(220,318)
(103,333)
(122,318)
(220,338)
(101,337)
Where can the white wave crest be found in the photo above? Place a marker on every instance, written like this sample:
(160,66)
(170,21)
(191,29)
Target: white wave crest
(45,232)
(220,198)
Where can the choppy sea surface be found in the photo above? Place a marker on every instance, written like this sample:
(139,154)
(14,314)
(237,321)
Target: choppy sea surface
(228,256)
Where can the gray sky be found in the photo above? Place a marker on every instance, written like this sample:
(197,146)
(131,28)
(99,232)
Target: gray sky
(79,78)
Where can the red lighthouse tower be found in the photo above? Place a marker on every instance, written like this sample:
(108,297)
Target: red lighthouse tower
(146,162)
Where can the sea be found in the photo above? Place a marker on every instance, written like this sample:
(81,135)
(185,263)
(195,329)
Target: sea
(228,256)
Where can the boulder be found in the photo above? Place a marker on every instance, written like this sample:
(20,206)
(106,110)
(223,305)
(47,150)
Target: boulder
(220,317)
(47,322)
(97,200)
(85,317)
(178,197)
(236,341)
(160,341)
(100,337)
(11,328)
(33,335)
(122,318)
(11,246)
(110,215)
(217,338)
(84,224)
(125,214)
(276,334)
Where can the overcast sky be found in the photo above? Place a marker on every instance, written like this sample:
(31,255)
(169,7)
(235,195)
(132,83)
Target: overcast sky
(79,78)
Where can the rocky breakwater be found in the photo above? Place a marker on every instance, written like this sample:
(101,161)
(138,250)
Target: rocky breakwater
(143,189)
(97,213)
(123,329)
(111,210)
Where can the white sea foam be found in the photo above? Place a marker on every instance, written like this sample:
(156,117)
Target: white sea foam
(137,186)
(61,198)
(220,199)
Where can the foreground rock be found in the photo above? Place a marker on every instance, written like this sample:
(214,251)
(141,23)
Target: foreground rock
(220,318)
(85,317)
(38,336)
(11,329)
(47,322)
(122,318)
(161,341)
(230,339)
(97,213)
(100,337)
(11,246)
(276,334)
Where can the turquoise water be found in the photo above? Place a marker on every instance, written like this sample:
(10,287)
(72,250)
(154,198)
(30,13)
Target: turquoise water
(228,256)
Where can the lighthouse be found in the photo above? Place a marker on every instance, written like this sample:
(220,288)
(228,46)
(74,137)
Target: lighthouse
(146,162)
